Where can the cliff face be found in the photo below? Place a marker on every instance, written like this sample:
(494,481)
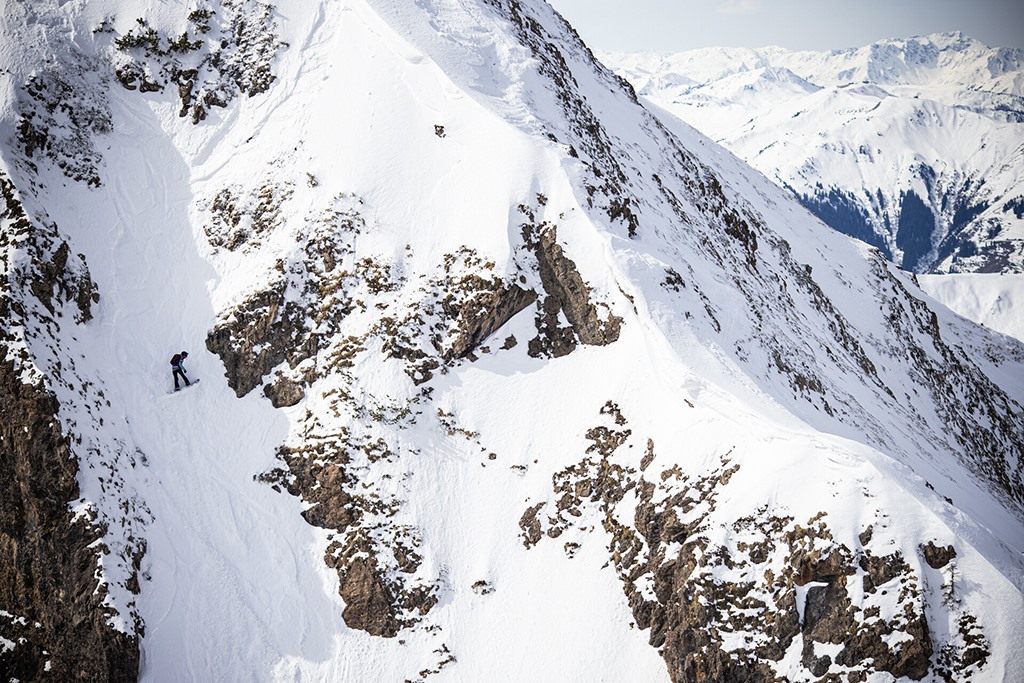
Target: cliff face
(56,621)
(50,588)
(732,606)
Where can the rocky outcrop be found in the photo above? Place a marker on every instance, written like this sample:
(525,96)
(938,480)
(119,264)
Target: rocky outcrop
(216,55)
(54,610)
(728,599)
(286,321)
(368,602)
(937,556)
(284,393)
(566,296)
(375,558)
(51,599)
(324,311)
(60,113)
(262,333)
(477,317)
(54,276)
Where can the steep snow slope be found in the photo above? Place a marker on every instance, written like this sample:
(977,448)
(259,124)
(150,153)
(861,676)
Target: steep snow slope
(910,145)
(546,379)
(992,300)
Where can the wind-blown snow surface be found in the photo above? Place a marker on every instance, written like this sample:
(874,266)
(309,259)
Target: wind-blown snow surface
(912,145)
(990,299)
(749,336)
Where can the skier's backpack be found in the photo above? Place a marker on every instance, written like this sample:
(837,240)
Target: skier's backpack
(176,360)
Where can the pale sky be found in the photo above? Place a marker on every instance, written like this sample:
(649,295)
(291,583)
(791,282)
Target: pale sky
(675,25)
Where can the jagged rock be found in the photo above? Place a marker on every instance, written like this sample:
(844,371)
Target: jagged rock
(62,110)
(565,294)
(262,333)
(881,570)
(284,393)
(234,56)
(381,596)
(320,481)
(478,317)
(531,525)
(48,559)
(688,606)
(53,277)
(367,600)
(937,556)
(563,283)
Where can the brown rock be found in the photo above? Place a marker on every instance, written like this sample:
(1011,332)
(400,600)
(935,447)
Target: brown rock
(531,525)
(47,560)
(261,333)
(367,600)
(284,393)
(937,556)
(481,315)
(566,293)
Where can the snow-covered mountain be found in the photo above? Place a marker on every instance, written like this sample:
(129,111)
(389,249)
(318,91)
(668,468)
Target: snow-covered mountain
(504,376)
(915,146)
(990,299)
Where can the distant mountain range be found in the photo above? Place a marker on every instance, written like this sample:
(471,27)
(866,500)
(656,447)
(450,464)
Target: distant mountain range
(914,145)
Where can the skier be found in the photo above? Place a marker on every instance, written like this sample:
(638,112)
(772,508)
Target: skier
(178,363)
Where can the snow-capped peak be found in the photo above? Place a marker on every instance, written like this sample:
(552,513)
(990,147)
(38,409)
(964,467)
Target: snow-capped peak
(917,169)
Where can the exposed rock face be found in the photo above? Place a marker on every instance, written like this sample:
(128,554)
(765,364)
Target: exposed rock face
(566,296)
(375,557)
(737,629)
(264,332)
(479,317)
(299,319)
(367,600)
(49,591)
(936,556)
(60,113)
(52,595)
(217,55)
(284,393)
(308,299)
(54,276)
